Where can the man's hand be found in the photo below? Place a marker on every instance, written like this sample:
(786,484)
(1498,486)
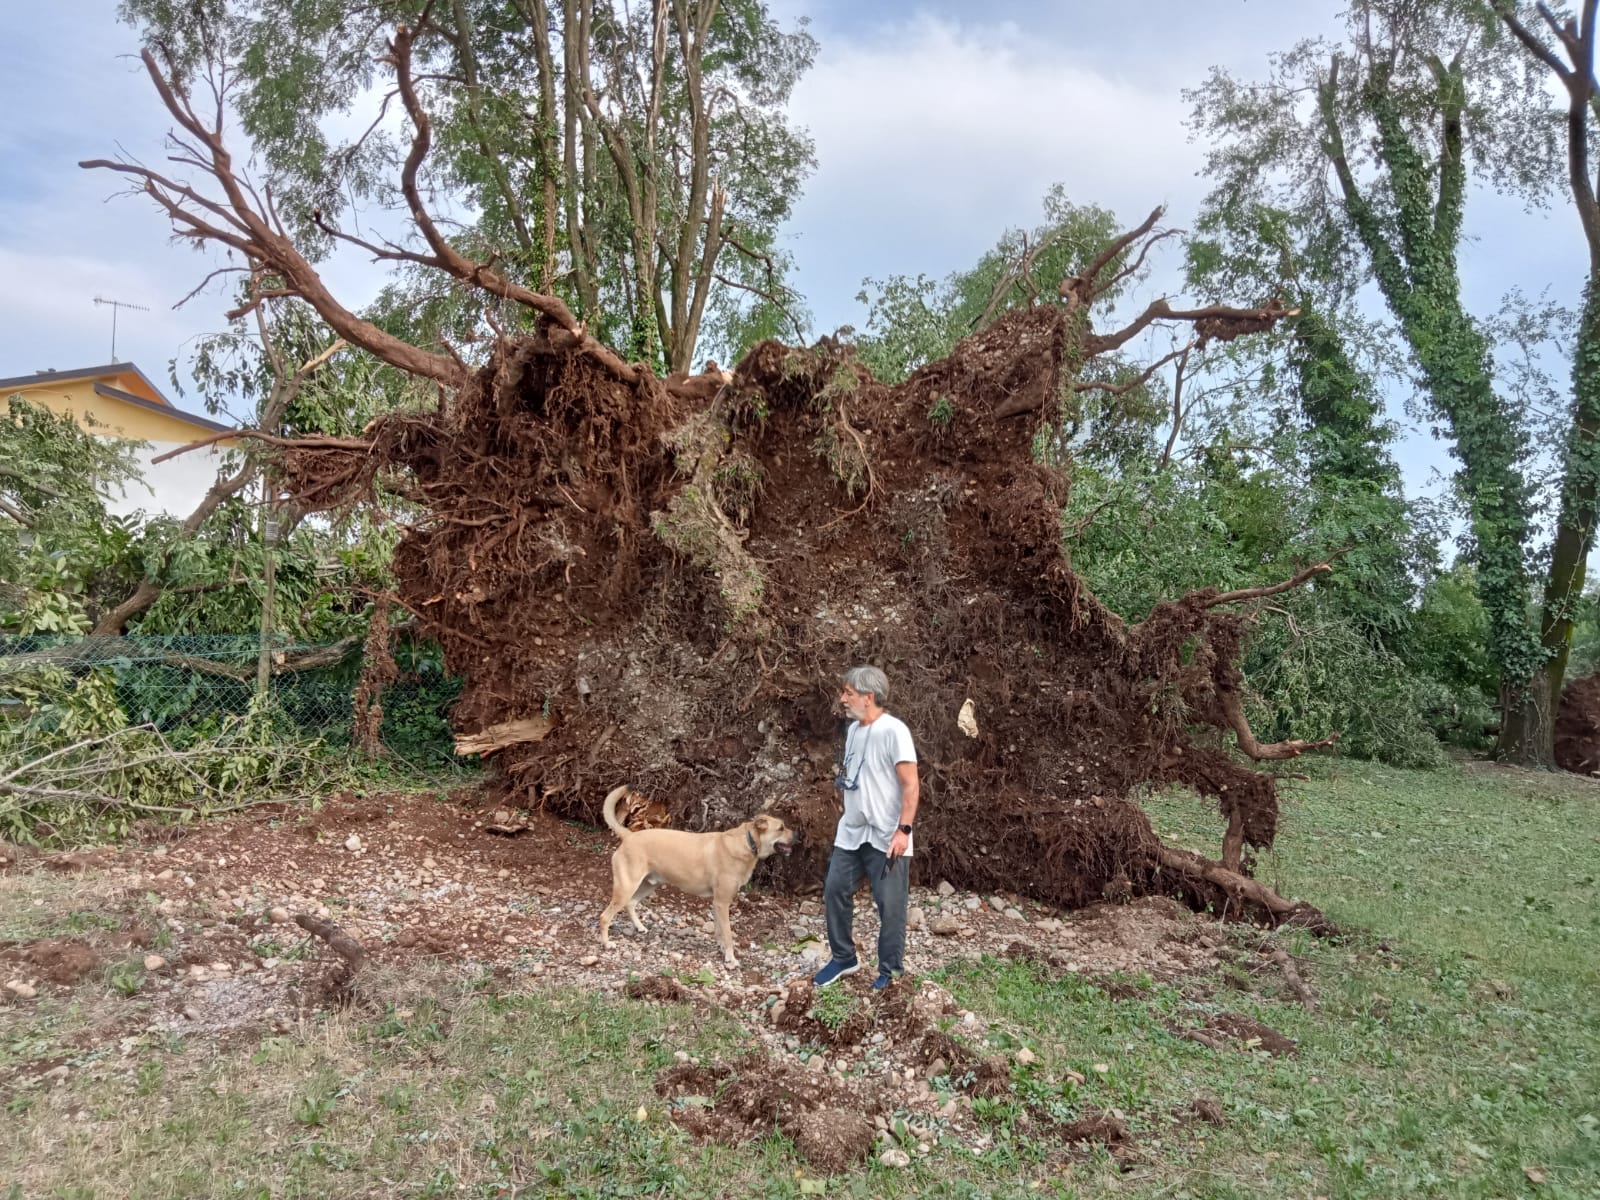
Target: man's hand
(898,844)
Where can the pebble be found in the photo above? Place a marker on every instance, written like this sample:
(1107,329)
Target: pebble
(945,926)
(154,962)
(894,1157)
(1026,1056)
(588,960)
(916,918)
(57,1074)
(167,874)
(191,1013)
(21,990)
(1015,914)
(353,843)
(973,903)
(817,1063)
(945,888)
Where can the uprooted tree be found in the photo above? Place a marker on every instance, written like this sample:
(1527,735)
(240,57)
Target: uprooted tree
(657,581)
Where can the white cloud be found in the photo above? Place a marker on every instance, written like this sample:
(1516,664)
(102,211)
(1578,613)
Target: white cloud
(932,137)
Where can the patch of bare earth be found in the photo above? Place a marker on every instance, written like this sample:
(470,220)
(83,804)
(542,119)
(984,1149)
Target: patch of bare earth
(416,878)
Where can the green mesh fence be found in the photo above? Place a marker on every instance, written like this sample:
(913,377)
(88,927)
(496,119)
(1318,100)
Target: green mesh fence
(188,685)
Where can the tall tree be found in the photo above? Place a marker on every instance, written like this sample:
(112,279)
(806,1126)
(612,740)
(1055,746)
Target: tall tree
(1372,139)
(634,160)
(1573,67)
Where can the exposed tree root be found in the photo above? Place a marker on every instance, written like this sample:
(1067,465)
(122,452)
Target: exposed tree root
(661,567)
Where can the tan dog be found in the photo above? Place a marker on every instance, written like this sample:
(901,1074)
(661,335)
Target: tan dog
(702,864)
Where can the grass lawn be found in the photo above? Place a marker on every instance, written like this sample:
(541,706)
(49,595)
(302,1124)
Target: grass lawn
(1455,1051)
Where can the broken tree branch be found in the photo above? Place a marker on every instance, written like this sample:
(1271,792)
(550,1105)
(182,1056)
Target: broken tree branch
(1287,585)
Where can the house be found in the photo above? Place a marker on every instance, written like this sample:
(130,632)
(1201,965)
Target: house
(120,401)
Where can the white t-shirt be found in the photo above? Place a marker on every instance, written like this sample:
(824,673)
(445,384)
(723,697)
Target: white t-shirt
(872,807)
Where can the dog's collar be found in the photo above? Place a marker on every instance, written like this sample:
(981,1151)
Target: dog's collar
(754,849)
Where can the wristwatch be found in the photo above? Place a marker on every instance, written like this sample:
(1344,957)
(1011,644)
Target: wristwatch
(905,829)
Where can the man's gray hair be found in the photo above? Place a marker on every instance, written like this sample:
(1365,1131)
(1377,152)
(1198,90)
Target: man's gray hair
(869,680)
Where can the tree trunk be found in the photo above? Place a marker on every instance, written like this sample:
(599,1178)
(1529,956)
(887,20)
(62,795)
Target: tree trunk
(269,538)
(1528,723)
(1528,735)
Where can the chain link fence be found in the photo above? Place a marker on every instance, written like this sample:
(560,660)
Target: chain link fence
(190,685)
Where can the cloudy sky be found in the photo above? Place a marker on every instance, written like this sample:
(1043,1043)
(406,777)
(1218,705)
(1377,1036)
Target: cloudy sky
(937,125)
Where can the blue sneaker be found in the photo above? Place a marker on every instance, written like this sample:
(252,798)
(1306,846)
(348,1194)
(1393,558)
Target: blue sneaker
(883,980)
(835,971)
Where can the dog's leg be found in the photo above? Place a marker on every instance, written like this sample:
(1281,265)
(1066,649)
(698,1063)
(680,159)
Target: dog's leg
(622,890)
(720,906)
(642,893)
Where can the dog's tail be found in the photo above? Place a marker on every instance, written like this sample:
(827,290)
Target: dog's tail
(612,799)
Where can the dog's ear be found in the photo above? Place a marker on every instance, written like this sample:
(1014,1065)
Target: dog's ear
(761,824)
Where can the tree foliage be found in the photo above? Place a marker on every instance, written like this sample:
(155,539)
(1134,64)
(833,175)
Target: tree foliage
(1369,145)
(636,160)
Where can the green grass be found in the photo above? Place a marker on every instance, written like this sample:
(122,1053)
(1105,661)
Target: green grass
(1455,1050)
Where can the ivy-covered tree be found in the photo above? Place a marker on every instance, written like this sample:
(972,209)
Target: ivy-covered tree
(1575,34)
(1371,144)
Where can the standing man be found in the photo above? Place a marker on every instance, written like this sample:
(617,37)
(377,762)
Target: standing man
(880,788)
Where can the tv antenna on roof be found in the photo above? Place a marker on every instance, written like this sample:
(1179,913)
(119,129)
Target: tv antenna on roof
(114,305)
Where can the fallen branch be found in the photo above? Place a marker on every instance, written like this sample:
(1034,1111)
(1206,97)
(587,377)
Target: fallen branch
(1256,593)
(1292,976)
(498,737)
(309,442)
(93,651)
(1210,1040)
(340,942)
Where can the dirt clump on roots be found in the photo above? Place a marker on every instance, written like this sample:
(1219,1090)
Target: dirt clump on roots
(1578,727)
(830,1119)
(671,585)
